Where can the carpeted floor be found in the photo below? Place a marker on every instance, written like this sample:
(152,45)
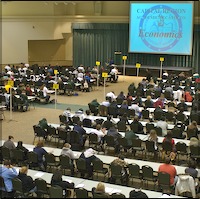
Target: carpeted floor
(20,124)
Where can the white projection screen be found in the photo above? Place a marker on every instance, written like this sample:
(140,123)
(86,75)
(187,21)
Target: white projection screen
(161,27)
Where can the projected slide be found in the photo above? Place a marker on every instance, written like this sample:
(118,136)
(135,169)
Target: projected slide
(161,27)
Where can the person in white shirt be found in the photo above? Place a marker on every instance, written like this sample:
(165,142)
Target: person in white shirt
(114,74)
(163,125)
(80,114)
(45,92)
(67,113)
(111,95)
(7,67)
(136,107)
(99,132)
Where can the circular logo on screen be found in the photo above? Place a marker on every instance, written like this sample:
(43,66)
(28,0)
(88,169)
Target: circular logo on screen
(160,27)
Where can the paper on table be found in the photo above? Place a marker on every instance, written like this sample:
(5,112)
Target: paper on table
(70,181)
(39,174)
(116,191)
(108,190)
(79,185)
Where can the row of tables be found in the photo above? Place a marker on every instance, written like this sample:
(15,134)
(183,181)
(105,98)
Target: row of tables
(89,184)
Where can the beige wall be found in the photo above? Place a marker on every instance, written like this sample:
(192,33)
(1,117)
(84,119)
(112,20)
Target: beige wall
(25,20)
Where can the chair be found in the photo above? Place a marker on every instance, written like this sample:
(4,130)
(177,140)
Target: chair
(134,172)
(121,126)
(137,146)
(131,113)
(158,130)
(5,153)
(81,166)
(41,187)
(164,181)
(118,195)
(38,133)
(116,173)
(119,101)
(81,193)
(74,140)
(170,116)
(98,168)
(181,149)
(41,97)
(69,89)
(93,140)
(123,143)
(145,114)
(32,160)
(112,111)
(75,119)
(148,174)
(109,142)
(55,192)
(66,164)
(195,152)
(3,190)
(87,123)
(158,115)
(63,135)
(191,133)
(18,156)
(195,117)
(121,111)
(168,95)
(150,149)
(180,117)
(18,188)
(176,133)
(52,133)
(149,126)
(157,94)
(51,161)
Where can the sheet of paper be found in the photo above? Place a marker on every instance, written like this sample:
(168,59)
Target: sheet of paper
(108,190)
(39,174)
(80,186)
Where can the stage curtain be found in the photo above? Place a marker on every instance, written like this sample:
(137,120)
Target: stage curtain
(98,41)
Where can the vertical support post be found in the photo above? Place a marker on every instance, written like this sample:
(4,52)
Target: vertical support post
(104,88)
(161,69)
(10,103)
(124,69)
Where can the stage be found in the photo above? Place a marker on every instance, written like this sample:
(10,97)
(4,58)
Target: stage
(155,70)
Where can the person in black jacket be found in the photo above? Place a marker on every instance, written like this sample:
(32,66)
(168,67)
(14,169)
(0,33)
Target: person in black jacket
(57,180)
(24,149)
(28,183)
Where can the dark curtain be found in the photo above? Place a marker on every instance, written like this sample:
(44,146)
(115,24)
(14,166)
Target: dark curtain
(97,41)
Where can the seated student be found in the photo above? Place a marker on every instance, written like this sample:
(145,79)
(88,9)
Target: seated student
(24,149)
(136,126)
(137,193)
(99,133)
(120,161)
(89,156)
(191,169)
(24,100)
(45,91)
(57,180)
(100,190)
(108,123)
(28,183)
(8,172)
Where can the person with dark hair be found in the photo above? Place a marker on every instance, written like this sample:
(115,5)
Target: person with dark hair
(170,169)
(8,172)
(137,126)
(57,180)
(24,149)
(9,143)
(163,125)
(148,75)
(137,193)
(191,169)
(108,123)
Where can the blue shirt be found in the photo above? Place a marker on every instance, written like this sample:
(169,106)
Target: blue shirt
(8,174)
(41,152)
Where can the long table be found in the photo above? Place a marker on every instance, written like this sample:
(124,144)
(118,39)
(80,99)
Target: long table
(89,184)
(108,159)
(143,137)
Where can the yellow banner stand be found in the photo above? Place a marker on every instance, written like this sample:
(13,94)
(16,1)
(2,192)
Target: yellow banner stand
(56,86)
(138,67)
(161,63)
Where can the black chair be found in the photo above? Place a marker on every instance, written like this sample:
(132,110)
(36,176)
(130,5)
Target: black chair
(41,187)
(116,174)
(51,161)
(52,133)
(170,116)
(81,193)
(39,133)
(69,89)
(113,111)
(18,188)
(66,164)
(181,149)
(32,160)
(18,156)
(63,119)
(63,135)
(176,133)
(195,152)
(122,111)
(149,126)
(75,120)
(123,143)
(94,141)
(3,190)
(119,101)
(74,140)
(118,195)
(164,181)
(121,126)
(131,113)
(191,133)
(180,117)
(55,192)
(148,175)
(145,114)
(150,150)
(109,142)
(158,115)
(81,167)
(158,130)
(98,168)
(137,146)
(87,123)
(103,110)
(134,172)
(5,153)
